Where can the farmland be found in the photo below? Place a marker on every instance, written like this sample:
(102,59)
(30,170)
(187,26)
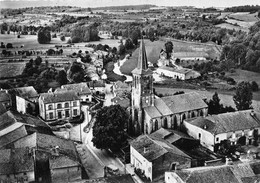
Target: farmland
(11,69)
(153,50)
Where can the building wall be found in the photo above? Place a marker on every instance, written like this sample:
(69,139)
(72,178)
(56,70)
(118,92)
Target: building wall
(192,75)
(20,177)
(21,104)
(138,161)
(51,111)
(171,177)
(163,163)
(86,98)
(68,174)
(171,74)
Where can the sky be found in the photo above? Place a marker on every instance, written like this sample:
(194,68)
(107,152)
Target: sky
(99,3)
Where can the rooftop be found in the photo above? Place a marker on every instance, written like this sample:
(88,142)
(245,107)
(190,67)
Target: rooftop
(127,178)
(27,92)
(4,96)
(59,97)
(81,88)
(228,122)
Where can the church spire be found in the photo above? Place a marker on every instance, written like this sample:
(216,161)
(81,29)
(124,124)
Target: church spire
(142,59)
(142,63)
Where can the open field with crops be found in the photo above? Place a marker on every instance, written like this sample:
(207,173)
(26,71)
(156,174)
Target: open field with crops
(11,69)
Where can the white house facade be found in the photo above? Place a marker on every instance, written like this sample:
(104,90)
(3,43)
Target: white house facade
(55,106)
(239,127)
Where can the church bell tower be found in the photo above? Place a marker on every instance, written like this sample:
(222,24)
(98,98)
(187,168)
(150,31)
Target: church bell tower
(142,91)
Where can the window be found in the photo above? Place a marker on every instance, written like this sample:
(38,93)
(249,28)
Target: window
(217,139)
(67,113)
(75,112)
(59,106)
(75,103)
(59,114)
(67,105)
(51,115)
(50,107)
(199,135)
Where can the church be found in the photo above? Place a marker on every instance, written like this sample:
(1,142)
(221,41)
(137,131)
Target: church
(149,112)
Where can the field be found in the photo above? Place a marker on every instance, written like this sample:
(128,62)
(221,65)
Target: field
(153,50)
(11,69)
(231,27)
(244,16)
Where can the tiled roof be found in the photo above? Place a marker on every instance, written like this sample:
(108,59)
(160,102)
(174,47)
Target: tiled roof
(218,174)
(184,102)
(26,92)
(13,136)
(227,122)
(175,69)
(152,112)
(81,88)
(16,161)
(4,96)
(148,148)
(153,148)
(43,141)
(122,101)
(62,162)
(162,107)
(59,97)
(96,84)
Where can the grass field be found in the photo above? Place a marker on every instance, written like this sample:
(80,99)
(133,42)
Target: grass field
(153,50)
(231,27)
(244,16)
(11,69)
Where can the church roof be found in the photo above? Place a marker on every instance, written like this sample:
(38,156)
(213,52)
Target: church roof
(184,102)
(142,65)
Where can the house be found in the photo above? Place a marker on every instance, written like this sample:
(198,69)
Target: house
(121,88)
(153,157)
(239,127)
(149,113)
(56,159)
(10,130)
(190,55)
(59,106)
(186,144)
(178,73)
(122,101)
(97,86)
(25,99)
(16,165)
(5,99)
(240,173)
(81,89)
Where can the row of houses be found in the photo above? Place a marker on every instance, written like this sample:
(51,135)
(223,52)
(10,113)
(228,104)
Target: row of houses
(166,149)
(62,103)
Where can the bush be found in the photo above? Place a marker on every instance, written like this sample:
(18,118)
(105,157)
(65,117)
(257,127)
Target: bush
(75,40)
(9,45)
(69,41)
(18,36)
(62,38)
(44,36)
(54,36)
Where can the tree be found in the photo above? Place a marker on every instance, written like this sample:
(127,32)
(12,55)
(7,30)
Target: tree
(243,96)
(62,38)
(214,104)
(168,49)
(121,50)
(44,36)
(9,45)
(254,86)
(109,130)
(135,35)
(61,78)
(129,44)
